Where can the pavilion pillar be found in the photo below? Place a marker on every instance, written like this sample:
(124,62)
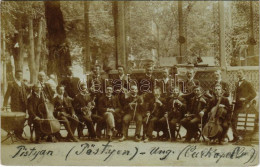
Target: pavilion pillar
(120,35)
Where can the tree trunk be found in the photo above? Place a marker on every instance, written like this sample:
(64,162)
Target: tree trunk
(119,24)
(31,61)
(87,38)
(18,48)
(38,48)
(59,55)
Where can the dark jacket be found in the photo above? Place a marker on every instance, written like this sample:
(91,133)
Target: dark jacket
(18,96)
(175,110)
(197,105)
(81,101)
(139,108)
(225,88)
(49,93)
(105,103)
(71,86)
(245,90)
(146,84)
(63,105)
(33,106)
(189,85)
(224,100)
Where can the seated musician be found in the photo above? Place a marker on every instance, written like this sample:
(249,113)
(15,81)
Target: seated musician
(195,112)
(175,108)
(133,111)
(153,109)
(109,108)
(225,117)
(120,85)
(83,104)
(65,113)
(34,115)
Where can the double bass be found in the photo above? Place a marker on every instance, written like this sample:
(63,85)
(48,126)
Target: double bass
(213,128)
(48,124)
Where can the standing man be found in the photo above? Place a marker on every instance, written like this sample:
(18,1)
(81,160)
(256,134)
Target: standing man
(194,115)
(108,108)
(133,111)
(244,93)
(190,83)
(46,88)
(18,92)
(71,84)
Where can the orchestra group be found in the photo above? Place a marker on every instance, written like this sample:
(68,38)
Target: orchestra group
(152,104)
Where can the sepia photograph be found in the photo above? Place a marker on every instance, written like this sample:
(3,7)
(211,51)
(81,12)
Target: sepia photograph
(129,83)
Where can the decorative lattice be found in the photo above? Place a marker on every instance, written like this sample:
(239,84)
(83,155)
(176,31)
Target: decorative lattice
(228,32)
(256,25)
(216,33)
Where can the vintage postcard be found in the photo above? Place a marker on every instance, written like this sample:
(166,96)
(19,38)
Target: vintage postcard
(130,83)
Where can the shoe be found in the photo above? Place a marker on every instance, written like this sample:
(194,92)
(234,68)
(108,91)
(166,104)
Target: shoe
(137,139)
(173,139)
(95,139)
(75,139)
(234,140)
(20,137)
(146,140)
(114,131)
(49,139)
(110,138)
(122,139)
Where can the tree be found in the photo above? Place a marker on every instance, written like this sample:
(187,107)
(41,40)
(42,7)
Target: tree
(59,54)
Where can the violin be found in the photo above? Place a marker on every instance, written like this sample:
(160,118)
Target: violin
(48,123)
(213,128)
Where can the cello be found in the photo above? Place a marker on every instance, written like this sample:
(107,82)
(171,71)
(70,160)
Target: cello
(213,128)
(48,124)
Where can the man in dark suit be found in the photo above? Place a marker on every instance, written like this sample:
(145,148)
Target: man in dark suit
(33,110)
(175,108)
(71,84)
(83,104)
(65,113)
(147,81)
(153,109)
(165,83)
(134,110)
(18,92)
(195,112)
(244,93)
(224,104)
(219,81)
(110,110)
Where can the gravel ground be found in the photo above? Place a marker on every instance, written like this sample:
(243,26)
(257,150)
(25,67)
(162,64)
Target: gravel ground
(154,153)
